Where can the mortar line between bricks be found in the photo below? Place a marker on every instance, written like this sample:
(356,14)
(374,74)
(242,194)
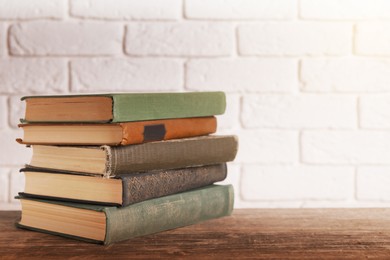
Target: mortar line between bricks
(353,41)
(358,113)
(355,183)
(300,147)
(8,40)
(299,10)
(240,110)
(61,56)
(69,70)
(185,76)
(183,10)
(9,187)
(27,20)
(67,10)
(236,44)
(93,19)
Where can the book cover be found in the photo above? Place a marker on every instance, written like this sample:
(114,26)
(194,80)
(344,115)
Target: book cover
(116,133)
(134,187)
(112,161)
(123,107)
(111,224)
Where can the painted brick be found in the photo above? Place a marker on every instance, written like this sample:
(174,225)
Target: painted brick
(180,39)
(344,9)
(345,75)
(230,119)
(33,76)
(247,9)
(267,146)
(126,75)
(297,111)
(263,75)
(297,183)
(373,38)
(15,154)
(24,9)
(127,9)
(346,147)
(16,111)
(17,182)
(4,184)
(375,111)
(66,38)
(298,38)
(373,183)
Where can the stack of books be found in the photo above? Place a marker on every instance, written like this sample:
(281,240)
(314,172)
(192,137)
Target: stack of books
(110,167)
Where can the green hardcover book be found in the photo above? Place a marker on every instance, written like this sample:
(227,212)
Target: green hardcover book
(124,107)
(112,161)
(110,224)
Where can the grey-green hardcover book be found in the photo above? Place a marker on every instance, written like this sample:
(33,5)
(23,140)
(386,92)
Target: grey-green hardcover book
(122,190)
(122,107)
(112,161)
(111,224)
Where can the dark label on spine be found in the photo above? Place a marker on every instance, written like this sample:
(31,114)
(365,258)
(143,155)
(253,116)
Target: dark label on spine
(154,132)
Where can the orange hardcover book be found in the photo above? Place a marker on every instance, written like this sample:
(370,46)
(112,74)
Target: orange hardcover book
(117,133)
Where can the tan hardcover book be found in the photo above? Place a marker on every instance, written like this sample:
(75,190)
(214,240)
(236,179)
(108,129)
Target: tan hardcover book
(117,133)
(116,160)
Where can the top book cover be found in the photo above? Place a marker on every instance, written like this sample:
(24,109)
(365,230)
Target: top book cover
(122,107)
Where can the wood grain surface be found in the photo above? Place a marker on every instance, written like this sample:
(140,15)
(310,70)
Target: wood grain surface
(248,233)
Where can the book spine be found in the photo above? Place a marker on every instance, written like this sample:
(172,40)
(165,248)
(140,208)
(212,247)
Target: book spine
(155,184)
(138,107)
(173,154)
(167,129)
(168,212)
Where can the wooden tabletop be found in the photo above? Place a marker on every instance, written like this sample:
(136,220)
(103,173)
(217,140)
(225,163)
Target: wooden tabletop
(250,233)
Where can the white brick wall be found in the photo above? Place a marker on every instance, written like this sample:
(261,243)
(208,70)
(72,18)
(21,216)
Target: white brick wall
(89,75)
(307,83)
(179,39)
(28,10)
(242,74)
(295,38)
(344,9)
(127,9)
(31,75)
(71,38)
(243,9)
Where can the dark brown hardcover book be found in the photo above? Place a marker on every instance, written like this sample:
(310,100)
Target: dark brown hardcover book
(112,161)
(123,190)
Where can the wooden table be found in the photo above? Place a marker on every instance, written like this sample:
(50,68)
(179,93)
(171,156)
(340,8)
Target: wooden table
(254,233)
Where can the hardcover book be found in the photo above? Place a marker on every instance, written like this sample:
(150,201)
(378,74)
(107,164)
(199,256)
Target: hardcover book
(117,133)
(112,161)
(111,224)
(124,107)
(123,190)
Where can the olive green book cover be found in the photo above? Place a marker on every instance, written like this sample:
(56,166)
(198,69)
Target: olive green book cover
(125,107)
(118,160)
(147,217)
